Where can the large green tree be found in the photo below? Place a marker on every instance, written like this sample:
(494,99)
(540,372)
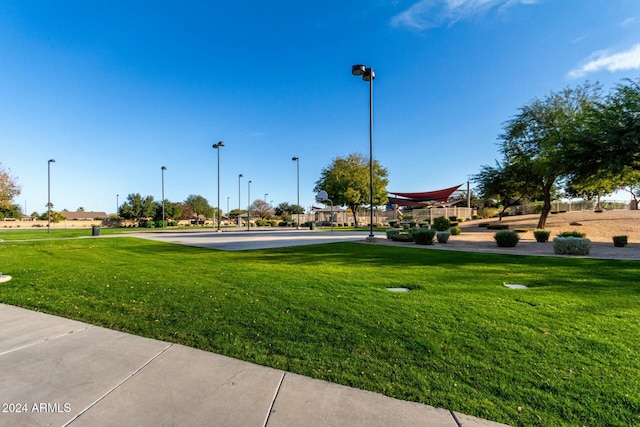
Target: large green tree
(606,152)
(200,206)
(346,181)
(543,133)
(137,207)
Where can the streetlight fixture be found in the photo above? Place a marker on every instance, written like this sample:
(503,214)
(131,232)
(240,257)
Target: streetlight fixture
(239,220)
(49,195)
(368,75)
(249,206)
(163,168)
(217,147)
(297,160)
(265,197)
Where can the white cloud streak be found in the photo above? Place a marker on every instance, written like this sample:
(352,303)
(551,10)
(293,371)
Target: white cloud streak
(427,14)
(612,62)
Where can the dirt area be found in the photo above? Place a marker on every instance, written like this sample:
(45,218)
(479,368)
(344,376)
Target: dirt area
(600,228)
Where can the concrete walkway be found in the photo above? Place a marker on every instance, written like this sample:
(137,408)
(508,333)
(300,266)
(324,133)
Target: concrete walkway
(59,372)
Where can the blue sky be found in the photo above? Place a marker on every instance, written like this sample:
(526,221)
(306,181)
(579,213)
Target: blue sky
(114,90)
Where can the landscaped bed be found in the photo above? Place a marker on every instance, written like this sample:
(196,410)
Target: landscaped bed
(563,352)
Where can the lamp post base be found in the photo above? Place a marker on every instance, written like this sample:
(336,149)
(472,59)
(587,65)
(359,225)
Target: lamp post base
(371,239)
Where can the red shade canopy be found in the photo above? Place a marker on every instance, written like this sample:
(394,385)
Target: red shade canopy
(426,196)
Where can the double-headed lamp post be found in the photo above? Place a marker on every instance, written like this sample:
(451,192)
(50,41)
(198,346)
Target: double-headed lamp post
(239,202)
(217,147)
(49,194)
(368,75)
(297,160)
(164,168)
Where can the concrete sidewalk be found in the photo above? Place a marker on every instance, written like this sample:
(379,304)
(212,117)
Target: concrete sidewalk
(62,372)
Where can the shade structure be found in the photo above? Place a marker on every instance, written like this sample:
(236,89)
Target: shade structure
(422,199)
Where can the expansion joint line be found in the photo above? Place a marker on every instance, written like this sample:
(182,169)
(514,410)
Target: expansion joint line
(117,385)
(453,414)
(273,402)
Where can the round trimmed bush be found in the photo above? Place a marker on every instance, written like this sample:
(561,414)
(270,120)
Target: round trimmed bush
(571,246)
(441,223)
(455,231)
(423,236)
(443,236)
(506,238)
(541,235)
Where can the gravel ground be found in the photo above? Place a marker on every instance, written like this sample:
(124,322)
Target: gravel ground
(600,229)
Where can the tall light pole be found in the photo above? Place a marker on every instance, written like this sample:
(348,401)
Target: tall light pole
(297,160)
(249,205)
(227,206)
(49,194)
(368,76)
(118,204)
(163,168)
(217,147)
(265,197)
(239,220)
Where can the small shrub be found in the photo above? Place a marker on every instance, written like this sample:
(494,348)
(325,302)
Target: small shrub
(453,218)
(541,236)
(393,223)
(506,238)
(402,237)
(521,230)
(571,246)
(573,233)
(619,241)
(423,236)
(412,224)
(455,231)
(391,233)
(497,226)
(441,223)
(476,216)
(484,224)
(443,236)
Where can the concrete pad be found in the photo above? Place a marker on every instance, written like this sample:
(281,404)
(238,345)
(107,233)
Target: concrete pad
(22,327)
(185,386)
(308,402)
(55,380)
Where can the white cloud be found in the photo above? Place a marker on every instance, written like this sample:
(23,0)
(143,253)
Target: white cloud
(435,13)
(612,62)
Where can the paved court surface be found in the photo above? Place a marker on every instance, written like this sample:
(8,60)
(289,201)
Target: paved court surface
(249,240)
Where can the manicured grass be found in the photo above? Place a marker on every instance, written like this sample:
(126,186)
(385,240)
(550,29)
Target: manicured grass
(565,352)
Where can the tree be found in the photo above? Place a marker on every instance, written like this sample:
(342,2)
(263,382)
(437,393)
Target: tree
(235,213)
(510,183)
(261,209)
(544,133)
(11,211)
(346,182)
(138,208)
(607,150)
(199,205)
(9,188)
(285,210)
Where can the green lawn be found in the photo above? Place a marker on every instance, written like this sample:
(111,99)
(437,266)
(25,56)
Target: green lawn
(565,352)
